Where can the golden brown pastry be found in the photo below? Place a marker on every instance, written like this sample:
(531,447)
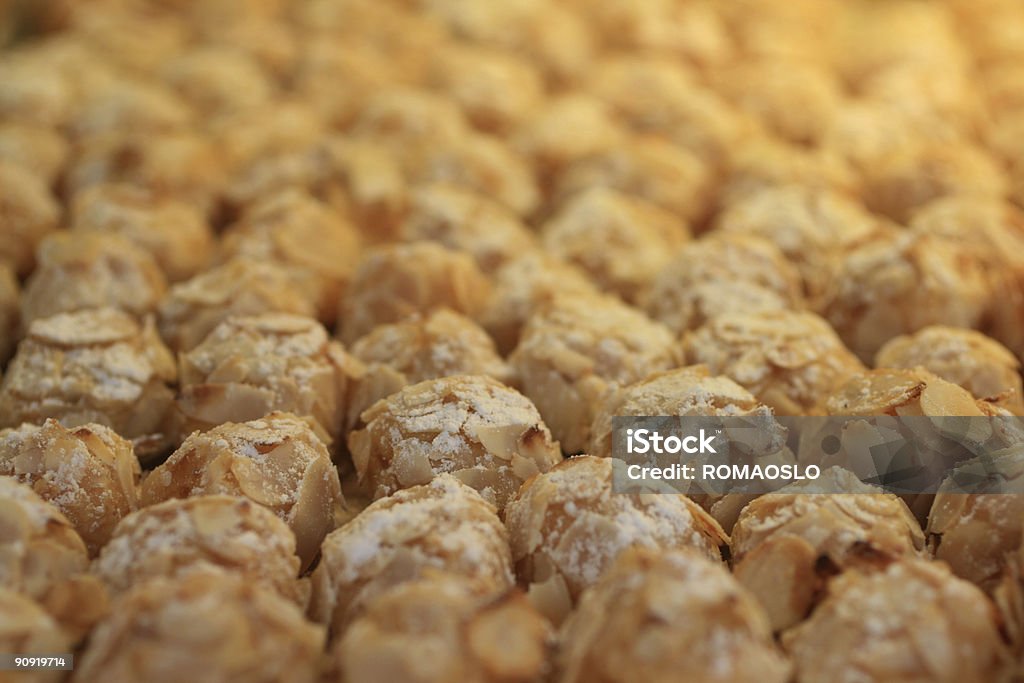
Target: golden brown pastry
(567,527)
(29,213)
(979,534)
(89,473)
(240,287)
(979,364)
(78,271)
(217,80)
(469,221)
(495,90)
(620,241)
(524,286)
(278,461)
(443,525)
(786,545)
(789,360)
(93,366)
(41,550)
(181,164)
(173,232)
(250,366)
(26,629)
(719,274)
(648,168)
(913,621)
(661,615)
(34,146)
(909,178)
(577,349)
(393,282)
(312,242)
(209,625)
(437,629)
(9,314)
(217,532)
(899,283)
(812,227)
(483,433)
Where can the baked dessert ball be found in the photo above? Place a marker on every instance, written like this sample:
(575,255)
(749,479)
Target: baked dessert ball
(668,615)
(174,233)
(89,473)
(979,534)
(401,117)
(578,348)
(239,287)
(29,213)
(550,36)
(567,527)
(437,629)
(648,168)
(793,98)
(312,242)
(718,274)
(638,85)
(786,545)
(656,95)
(789,360)
(217,80)
(495,90)
(40,551)
(269,133)
(182,164)
(758,162)
(468,221)
(690,390)
(693,391)
(34,146)
(250,366)
(321,62)
(565,129)
(393,282)
(184,536)
(439,344)
(365,179)
(689,34)
(902,282)
(9,313)
(912,621)
(909,178)
(26,629)
(481,163)
(279,461)
(78,271)
(473,427)
(31,93)
(133,105)
(618,240)
(866,132)
(93,366)
(900,392)
(204,626)
(522,287)
(979,364)
(991,227)
(443,525)
(812,227)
